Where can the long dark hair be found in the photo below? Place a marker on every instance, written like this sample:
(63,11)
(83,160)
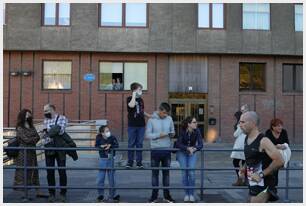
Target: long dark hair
(186,121)
(237,116)
(21,119)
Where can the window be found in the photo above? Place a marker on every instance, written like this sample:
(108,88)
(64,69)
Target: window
(123,15)
(256,16)
(57,74)
(119,75)
(4,20)
(252,76)
(111,14)
(211,16)
(298,17)
(292,78)
(56,14)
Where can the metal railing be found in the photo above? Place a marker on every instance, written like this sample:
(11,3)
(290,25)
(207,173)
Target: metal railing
(202,168)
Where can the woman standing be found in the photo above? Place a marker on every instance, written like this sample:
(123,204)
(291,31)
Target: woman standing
(189,141)
(27,136)
(278,137)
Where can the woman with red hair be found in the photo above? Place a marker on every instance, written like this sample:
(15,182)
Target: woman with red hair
(278,136)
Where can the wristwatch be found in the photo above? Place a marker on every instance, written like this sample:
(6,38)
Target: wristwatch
(261,175)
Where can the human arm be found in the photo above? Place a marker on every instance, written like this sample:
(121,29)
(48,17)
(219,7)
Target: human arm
(132,102)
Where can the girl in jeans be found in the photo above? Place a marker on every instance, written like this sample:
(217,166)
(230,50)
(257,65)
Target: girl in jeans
(105,141)
(189,141)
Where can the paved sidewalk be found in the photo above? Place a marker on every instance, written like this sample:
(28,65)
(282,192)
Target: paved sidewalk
(142,178)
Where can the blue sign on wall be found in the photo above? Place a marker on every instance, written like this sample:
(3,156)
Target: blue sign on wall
(89,77)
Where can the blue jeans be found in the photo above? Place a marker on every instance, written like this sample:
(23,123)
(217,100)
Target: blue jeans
(135,138)
(164,158)
(188,176)
(104,163)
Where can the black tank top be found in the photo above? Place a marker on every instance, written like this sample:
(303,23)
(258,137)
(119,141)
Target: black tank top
(253,157)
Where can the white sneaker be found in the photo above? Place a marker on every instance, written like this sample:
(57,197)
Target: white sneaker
(191,198)
(186,198)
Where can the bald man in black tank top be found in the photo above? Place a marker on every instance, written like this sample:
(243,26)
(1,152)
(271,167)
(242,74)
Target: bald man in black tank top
(257,147)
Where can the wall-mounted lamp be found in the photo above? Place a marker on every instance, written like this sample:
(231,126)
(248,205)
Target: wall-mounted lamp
(26,73)
(14,74)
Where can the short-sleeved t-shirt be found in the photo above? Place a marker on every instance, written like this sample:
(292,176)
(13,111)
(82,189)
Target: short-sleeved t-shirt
(136,114)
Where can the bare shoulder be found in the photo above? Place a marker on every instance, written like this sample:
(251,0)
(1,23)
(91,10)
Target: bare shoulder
(266,144)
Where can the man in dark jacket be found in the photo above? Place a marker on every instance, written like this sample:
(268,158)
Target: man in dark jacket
(55,124)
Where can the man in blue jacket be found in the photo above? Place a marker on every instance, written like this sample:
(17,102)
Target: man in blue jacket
(159,129)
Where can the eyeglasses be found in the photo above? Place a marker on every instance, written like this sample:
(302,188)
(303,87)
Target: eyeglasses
(194,122)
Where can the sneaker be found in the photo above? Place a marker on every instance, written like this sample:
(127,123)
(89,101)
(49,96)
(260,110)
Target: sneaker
(100,198)
(139,165)
(51,198)
(186,198)
(169,199)
(129,165)
(62,198)
(116,198)
(153,200)
(191,198)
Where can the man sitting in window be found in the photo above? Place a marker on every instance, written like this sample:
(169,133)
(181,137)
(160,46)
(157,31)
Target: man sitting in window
(117,85)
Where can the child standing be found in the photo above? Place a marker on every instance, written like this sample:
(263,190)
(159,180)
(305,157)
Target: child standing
(105,141)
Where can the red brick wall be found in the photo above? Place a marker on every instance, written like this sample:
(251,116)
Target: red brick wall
(223,90)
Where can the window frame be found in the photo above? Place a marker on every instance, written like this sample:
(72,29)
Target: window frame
(56,16)
(42,75)
(123,18)
(210,18)
(4,14)
(251,81)
(294,90)
(256,29)
(294,17)
(123,71)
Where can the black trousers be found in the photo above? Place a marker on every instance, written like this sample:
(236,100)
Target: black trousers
(50,162)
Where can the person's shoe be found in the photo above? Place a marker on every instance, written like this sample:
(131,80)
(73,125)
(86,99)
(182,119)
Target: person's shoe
(139,165)
(152,199)
(186,198)
(116,198)
(51,198)
(191,198)
(41,195)
(100,198)
(129,165)
(169,199)
(62,198)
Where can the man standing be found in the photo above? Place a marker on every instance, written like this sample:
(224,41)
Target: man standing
(159,130)
(257,149)
(52,119)
(136,124)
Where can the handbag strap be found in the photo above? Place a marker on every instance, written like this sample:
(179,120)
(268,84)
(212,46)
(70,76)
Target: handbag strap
(56,119)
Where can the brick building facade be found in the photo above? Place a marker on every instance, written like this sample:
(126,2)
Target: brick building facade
(185,64)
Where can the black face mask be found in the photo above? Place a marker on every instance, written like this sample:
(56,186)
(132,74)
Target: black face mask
(48,115)
(30,119)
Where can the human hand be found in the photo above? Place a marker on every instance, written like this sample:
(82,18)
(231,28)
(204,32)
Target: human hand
(134,94)
(107,147)
(255,177)
(281,146)
(163,135)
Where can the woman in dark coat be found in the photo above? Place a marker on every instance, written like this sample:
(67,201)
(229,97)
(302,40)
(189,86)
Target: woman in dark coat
(27,136)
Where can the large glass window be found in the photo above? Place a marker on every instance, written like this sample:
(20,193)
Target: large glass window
(4,19)
(111,14)
(123,15)
(292,78)
(56,14)
(298,11)
(136,14)
(210,15)
(118,76)
(252,76)
(57,74)
(256,16)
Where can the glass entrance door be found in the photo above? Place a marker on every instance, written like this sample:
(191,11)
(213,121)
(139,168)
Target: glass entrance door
(181,108)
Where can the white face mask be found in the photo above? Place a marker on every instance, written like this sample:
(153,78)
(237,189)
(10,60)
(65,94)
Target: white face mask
(107,134)
(139,93)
